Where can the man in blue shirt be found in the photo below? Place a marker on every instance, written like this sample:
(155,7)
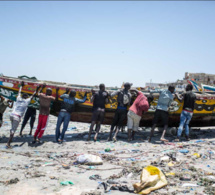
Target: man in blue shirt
(67,107)
(165,99)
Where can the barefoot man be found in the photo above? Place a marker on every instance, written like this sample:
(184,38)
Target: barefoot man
(19,109)
(140,106)
(124,100)
(99,100)
(67,107)
(45,102)
(30,114)
(165,99)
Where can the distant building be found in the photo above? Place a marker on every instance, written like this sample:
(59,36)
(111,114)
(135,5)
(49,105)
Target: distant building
(155,85)
(179,85)
(207,79)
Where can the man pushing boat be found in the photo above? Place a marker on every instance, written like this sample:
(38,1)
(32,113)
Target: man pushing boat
(45,102)
(30,114)
(138,108)
(22,102)
(124,100)
(187,113)
(99,100)
(67,107)
(165,99)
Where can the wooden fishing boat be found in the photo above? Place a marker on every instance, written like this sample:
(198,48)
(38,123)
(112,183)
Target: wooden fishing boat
(204,113)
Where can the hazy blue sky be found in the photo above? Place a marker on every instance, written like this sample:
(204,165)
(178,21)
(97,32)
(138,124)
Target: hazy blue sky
(109,42)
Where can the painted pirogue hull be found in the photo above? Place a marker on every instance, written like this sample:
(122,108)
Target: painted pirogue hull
(204,113)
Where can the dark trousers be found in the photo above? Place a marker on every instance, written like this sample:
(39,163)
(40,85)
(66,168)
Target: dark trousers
(30,114)
(119,118)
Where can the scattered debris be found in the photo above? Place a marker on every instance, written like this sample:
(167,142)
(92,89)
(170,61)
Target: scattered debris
(65,183)
(89,159)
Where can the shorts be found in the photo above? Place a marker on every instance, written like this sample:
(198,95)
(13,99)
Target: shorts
(161,115)
(15,120)
(119,118)
(133,121)
(98,115)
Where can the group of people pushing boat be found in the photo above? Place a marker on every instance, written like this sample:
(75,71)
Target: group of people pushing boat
(99,98)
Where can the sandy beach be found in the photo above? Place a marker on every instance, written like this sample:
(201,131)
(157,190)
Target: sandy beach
(40,168)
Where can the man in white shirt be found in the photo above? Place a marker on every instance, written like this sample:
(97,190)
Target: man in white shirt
(22,102)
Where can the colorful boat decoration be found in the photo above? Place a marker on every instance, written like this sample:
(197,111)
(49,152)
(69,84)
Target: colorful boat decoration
(195,85)
(208,88)
(204,113)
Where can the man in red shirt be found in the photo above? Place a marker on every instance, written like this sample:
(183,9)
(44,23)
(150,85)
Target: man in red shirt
(140,106)
(45,102)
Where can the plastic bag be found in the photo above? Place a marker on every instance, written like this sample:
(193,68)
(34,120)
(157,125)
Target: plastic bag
(89,159)
(65,183)
(151,179)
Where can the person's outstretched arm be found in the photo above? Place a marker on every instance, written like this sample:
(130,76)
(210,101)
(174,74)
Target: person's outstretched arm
(81,100)
(108,98)
(20,89)
(114,93)
(41,90)
(57,90)
(180,99)
(156,91)
(37,89)
(93,96)
(135,90)
(65,94)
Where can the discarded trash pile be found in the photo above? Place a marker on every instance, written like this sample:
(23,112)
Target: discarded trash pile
(174,168)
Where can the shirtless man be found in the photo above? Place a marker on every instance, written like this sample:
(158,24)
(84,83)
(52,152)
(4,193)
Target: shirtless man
(99,100)
(45,102)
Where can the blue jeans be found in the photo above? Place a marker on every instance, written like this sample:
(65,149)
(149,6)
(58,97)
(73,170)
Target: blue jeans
(184,121)
(65,118)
